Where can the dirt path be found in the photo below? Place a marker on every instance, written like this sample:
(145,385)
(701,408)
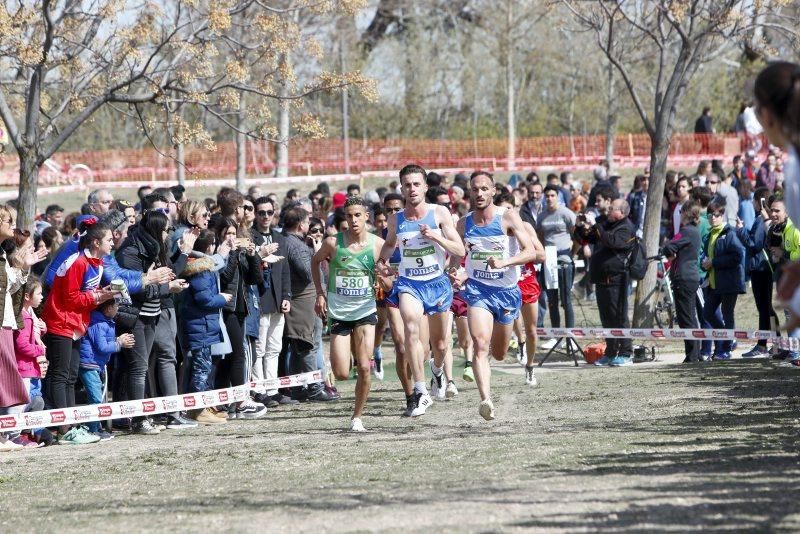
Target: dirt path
(661,447)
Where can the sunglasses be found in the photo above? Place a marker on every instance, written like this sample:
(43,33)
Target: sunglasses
(316,230)
(714,214)
(266,213)
(711,183)
(163,211)
(247,208)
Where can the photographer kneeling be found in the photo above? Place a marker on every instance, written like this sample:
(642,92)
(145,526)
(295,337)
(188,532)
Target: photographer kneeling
(613,236)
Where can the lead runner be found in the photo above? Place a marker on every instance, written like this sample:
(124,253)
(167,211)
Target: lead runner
(492,294)
(349,301)
(424,233)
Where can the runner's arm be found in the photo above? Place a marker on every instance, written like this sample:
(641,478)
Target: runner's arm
(455,259)
(527,252)
(450,240)
(537,245)
(389,244)
(324,253)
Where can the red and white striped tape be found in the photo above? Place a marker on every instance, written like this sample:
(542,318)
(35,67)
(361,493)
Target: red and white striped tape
(148,407)
(789,343)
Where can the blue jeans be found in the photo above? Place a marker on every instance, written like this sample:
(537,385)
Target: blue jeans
(94,391)
(200,369)
(726,302)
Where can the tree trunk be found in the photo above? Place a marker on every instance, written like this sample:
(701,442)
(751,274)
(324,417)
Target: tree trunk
(180,163)
(282,163)
(643,309)
(28,185)
(512,133)
(611,117)
(345,113)
(241,149)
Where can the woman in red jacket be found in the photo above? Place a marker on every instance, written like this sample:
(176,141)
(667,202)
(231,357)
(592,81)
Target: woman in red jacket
(74,294)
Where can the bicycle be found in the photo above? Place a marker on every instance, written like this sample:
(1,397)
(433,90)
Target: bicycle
(665,301)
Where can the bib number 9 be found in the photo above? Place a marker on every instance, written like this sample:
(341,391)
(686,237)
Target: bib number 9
(420,262)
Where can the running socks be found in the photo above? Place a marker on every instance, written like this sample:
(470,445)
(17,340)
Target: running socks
(435,370)
(420,387)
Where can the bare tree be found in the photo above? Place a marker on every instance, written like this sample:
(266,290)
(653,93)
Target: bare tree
(679,36)
(66,60)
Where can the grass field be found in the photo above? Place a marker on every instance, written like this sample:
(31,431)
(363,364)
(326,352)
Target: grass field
(659,446)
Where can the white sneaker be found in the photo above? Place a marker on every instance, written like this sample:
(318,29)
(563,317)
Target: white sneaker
(424,402)
(451,390)
(549,344)
(378,369)
(6,445)
(530,378)
(486,409)
(356,425)
(438,386)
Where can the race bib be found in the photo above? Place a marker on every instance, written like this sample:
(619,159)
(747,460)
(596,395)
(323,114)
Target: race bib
(353,283)
(420,261)
(481,269)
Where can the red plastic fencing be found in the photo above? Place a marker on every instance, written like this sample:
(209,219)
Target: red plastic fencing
(326,156)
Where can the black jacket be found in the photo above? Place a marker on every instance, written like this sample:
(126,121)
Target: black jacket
(276,285)
(686,250)
(613,243)
(240,271)
(139,252)
(527,215)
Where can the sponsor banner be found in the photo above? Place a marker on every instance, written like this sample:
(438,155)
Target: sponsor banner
(135,408)
(789,343)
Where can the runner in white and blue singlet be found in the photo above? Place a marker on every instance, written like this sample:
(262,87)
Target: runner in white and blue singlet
(492,295)
(424,233)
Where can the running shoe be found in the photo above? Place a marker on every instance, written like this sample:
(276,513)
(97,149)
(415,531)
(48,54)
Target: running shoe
(549,344)
(78,435)
(356,425)
(144,428)
(486,409)
(250,410)
(437,383)
(422,401)
(178,422)
(26,442)
(602,362)
(722,357)
(756,352)
(378,369)
(469,375)
(206,416)
(620,361)
(451,390)
(411,403)
(530,378)
(106,436)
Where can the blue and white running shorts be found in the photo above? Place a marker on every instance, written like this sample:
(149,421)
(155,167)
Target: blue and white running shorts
(436,294)
(503,304)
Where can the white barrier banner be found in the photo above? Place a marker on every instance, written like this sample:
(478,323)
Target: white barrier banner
(790,343)
(147,407)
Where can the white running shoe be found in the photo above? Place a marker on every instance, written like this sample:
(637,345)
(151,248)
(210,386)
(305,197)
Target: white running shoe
(378,369)
(423,402)
(356,425)
(451,390)
(486,409)
(530,378)
(549,344)
(438,386)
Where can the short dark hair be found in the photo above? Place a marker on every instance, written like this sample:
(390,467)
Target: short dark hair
(413,169)
(178,191)
(205,239)
(229,201)
(393,196)
(53,208)
(353,187)
(91,231)
(505,196)
(434,179)
(481,173)
(152,198)
(292,218)
(552,176)
(552,187)
(140,191)
(377,209)
(433,193)
(716,206)
(606,191)
(702,195)
(355,200)
(263,200)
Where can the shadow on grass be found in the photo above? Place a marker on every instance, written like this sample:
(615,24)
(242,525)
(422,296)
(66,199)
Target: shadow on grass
(730,463)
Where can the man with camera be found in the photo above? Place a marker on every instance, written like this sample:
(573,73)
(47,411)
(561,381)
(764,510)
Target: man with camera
(613,236)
